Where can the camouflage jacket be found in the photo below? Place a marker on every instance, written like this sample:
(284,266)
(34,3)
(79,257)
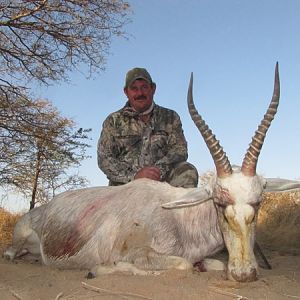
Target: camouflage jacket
(127,144)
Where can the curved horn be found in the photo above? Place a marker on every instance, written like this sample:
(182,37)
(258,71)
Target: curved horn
(221,161)
(251,157)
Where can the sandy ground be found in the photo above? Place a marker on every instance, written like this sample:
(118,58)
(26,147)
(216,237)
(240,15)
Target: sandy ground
(32,281)
(23,280)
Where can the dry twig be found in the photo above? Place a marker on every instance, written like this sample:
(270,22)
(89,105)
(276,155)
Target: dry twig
(120,294)
(15,295)
(291,296)
(59,295)
(229,294)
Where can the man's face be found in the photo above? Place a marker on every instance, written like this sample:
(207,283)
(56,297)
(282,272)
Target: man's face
(140,94)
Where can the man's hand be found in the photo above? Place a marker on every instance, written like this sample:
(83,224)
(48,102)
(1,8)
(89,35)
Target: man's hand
(148,172)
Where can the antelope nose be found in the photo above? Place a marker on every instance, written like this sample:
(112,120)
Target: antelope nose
(245,276)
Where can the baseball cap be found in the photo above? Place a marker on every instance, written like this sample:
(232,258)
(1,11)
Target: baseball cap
(137,73)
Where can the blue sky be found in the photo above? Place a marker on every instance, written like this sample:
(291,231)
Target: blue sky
(232,47)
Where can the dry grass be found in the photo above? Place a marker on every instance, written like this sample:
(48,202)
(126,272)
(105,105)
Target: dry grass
(7,224)
(278,226)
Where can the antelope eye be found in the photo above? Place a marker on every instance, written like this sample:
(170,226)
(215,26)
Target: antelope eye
(221,209)
(225,216)
(256,206)
(220,204)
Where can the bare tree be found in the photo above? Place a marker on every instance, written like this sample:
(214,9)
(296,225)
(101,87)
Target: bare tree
(39,149)
(45,39)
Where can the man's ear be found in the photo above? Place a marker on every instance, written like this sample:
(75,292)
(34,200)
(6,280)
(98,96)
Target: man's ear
(153,87)
(125,91)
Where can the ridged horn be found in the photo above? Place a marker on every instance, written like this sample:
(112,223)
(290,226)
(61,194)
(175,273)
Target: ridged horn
(221,161)
(251,157)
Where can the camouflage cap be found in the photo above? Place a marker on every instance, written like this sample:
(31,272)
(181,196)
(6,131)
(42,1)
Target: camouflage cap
(137,73)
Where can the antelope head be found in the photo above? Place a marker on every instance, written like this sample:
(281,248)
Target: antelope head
(237,192)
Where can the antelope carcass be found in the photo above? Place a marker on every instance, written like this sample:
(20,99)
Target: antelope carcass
(147,226)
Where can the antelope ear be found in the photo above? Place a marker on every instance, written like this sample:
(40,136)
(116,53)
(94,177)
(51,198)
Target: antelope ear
(281,185)
(192,197)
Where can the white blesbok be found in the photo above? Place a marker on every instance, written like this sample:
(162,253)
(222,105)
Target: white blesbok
(147,226)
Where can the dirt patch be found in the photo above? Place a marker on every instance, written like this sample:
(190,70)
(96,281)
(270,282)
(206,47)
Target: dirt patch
(32,281)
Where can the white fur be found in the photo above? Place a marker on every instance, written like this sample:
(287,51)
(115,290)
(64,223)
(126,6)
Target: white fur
(103,227)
